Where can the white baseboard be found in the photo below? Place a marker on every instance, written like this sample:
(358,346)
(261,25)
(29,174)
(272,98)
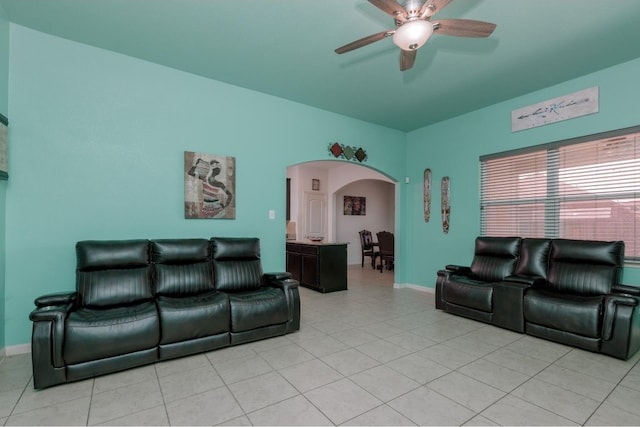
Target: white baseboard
(14,350)
(414,287)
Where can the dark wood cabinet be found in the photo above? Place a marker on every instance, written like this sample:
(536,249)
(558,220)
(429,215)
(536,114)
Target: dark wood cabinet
(319,266)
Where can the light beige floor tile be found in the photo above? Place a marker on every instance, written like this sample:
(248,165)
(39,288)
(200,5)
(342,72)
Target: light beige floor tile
(424,406)
(610,415)
(156,416)
(538,348)
(240,421)
(517,361)
(180,385)
(124,378)
(604,367)
(287,355)
(586,385)
(471,344)
(205,409)
(181,364)
(349,362)
(479,420)
(467,391)
(229,353)
(296,411)
(34,399)
(418,368)
(124,401)
(512,411)
(495,375)
(410,341)
(568,404)
(322,346)
(71,413)
(241,368)
(632,379)
(264,390)
(309,375)
(355,337)
(384,383)
(8,400)
(381,329)
(625,399)
(16,378)
(342,400)
(446,356)
(382,415)
(383,351)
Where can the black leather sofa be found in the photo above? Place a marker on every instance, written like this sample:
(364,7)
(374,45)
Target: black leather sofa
(139,301)
(562,290)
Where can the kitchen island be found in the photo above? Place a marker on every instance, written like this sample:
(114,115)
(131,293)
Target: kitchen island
(321,266)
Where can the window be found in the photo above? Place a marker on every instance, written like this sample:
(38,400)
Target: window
(585,188)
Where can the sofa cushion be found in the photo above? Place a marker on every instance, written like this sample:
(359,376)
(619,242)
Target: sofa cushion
(534,258)
(236,264)
(181,266)
(469,293)
(577,314)
(190,317)
(92,334)
(494,258)
(113,272)
(255,309)
(585,267)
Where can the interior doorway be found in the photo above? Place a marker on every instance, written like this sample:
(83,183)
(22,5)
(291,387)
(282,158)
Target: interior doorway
(324,185)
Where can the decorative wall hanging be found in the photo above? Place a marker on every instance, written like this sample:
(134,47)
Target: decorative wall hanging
(315,184)
(445,186)
(209,186)
(427,195)
(565,107)
(4,148)
(354,205)
(347,152)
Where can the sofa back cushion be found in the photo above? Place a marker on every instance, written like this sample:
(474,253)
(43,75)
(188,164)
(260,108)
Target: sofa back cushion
(181,266)
(585,267)
(236,264)
(111,272)
(534,258)
(495,258)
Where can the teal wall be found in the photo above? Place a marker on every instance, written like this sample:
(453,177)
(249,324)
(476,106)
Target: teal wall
(4,100)
(452,148)
(97,153)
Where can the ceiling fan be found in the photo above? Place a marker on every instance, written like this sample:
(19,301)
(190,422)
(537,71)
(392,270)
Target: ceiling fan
(414,27)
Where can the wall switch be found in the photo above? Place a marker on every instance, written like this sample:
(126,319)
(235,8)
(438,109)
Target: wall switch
(406,180)
(272,214)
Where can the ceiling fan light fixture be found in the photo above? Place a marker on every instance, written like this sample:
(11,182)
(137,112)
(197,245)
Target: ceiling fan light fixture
(413,34)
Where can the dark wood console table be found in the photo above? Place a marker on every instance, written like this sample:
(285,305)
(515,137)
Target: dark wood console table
(318,266)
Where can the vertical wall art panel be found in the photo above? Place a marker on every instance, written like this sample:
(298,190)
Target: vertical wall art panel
(445,186)
(427,195)
(4,148)
(209,186)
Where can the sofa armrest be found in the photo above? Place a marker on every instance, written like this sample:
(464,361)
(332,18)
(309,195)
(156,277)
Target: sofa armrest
(290,288)
(611,303)
(56,299)
(458,269)
(48,331)
(626,289)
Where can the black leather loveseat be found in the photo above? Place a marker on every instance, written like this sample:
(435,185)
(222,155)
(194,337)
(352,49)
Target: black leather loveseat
(140,301)
(563,290)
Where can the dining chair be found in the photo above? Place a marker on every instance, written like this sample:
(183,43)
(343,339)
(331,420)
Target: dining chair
(368,247)
(386,245)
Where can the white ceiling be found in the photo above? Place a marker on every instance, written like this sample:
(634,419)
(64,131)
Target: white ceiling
(286,48)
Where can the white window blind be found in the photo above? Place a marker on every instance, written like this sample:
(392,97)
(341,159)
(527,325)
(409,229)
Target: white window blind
(581,189)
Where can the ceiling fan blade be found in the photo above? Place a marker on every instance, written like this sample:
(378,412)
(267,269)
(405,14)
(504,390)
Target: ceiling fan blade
(364,41)
(391,7)
(431,7)
(463,28)
(407,58)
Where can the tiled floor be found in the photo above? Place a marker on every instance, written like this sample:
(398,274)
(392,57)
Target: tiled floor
(372,355)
